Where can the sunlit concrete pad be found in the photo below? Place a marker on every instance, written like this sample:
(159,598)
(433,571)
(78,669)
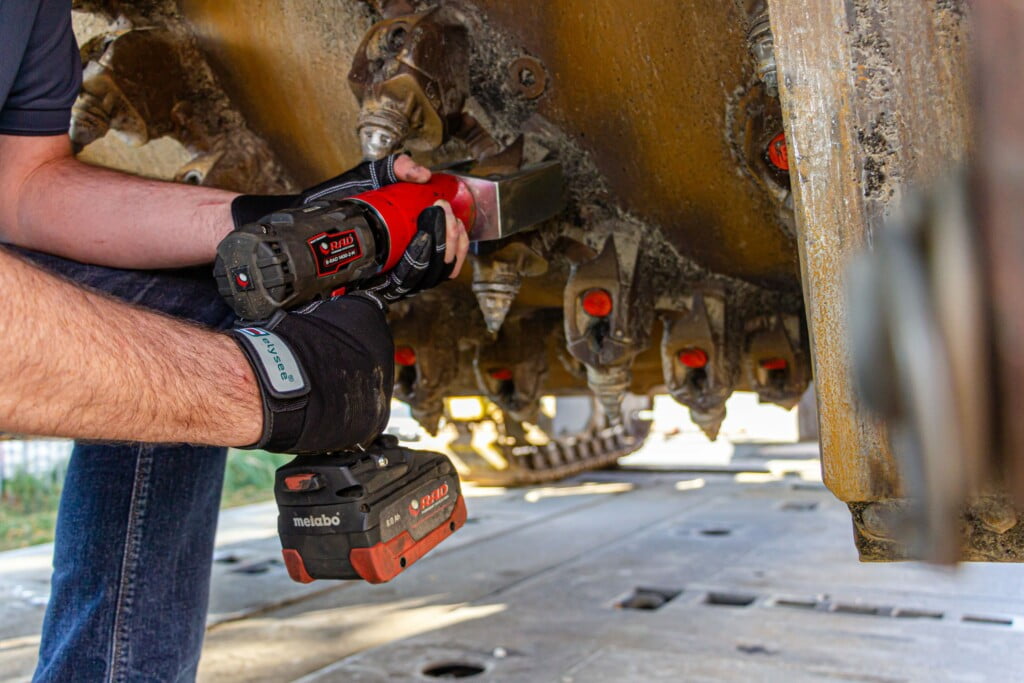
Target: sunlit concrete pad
(622,575)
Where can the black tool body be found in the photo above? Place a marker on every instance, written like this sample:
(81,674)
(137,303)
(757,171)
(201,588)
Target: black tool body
(298,255)
(317,250)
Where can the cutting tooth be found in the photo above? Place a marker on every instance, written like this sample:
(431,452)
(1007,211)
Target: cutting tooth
(429,417)
(495,286)
(610,386)
(709,421)
(495,302)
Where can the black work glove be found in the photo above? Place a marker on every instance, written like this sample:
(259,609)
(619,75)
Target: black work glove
(369,175)
(422,266)
(325,374)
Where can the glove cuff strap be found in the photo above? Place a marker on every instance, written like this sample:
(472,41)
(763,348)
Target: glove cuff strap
(282,425)
(283,386)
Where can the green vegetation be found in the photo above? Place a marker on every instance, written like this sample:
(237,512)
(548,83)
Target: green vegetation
(28,503)
(249,477)
(28,509)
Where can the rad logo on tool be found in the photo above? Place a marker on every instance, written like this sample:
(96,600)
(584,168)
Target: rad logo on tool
(332,250)
(428,501)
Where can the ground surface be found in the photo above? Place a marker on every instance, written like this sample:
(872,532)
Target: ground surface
(757,553)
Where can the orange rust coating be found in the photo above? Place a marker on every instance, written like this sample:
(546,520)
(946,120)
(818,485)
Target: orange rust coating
(644,86)
(284,64)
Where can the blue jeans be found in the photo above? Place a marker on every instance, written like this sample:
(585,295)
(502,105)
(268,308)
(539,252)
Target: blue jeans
(134,540)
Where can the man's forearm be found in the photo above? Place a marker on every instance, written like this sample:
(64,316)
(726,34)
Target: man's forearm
(62,206)
(85,366)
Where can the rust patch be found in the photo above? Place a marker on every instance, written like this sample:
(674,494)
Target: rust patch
(879,142)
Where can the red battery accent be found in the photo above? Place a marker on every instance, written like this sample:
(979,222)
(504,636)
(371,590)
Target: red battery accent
(302,482)
(399,205)
(296,567)
(385,561)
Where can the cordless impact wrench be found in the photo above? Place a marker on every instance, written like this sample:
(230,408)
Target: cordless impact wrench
(319,250)
(366,514)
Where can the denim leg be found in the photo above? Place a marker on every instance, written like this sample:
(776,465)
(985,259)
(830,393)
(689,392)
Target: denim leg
(132,564)
(135,529)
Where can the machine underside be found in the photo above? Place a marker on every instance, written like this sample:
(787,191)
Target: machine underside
(688,241)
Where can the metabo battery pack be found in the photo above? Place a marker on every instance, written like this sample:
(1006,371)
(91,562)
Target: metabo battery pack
(365,514)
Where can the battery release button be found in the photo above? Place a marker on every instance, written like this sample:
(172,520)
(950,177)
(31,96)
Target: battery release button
(308,481)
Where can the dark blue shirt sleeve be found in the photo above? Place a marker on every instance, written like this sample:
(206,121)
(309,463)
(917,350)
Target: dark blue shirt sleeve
(40,69)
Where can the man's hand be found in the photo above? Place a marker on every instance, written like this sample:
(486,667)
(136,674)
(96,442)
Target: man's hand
(111,371)
(372,175)
(456,235)
(53,203)
(325,375)
(426,262)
